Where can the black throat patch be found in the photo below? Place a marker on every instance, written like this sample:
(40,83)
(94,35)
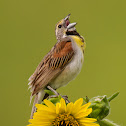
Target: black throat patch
(74,33)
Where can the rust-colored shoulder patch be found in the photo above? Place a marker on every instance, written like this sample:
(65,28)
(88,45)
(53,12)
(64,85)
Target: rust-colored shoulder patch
(51,66)
(62,55)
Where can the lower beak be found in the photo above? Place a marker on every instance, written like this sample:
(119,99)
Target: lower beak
(71,25)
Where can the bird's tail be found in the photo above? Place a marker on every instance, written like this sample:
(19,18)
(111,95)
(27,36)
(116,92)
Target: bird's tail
(33,107)
(37,100)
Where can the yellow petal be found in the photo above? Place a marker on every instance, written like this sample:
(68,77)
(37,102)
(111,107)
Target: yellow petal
(83,114)
(29,125)
(44,108)
(49,111)
(78,102)
(84,107)
(89,124)
(77,106)
(69,107)
(40,106)
(44,115)
(58,105)
(50,104)
(33,121)
(87,120)
(62,109)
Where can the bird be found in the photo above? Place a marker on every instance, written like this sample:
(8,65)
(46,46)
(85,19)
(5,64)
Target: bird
(61,64)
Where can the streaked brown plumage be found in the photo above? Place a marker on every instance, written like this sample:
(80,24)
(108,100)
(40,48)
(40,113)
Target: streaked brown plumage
(51,65)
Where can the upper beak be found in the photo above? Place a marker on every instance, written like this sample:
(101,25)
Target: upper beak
(67,17)
(71,25)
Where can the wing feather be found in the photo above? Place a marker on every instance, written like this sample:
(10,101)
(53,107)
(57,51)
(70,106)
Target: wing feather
(51,66)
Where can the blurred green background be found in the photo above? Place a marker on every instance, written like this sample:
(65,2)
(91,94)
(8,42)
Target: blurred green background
(27,34)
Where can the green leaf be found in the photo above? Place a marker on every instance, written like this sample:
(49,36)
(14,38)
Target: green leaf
(49,92)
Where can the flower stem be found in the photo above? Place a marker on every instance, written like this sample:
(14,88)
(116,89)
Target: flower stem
(106,122)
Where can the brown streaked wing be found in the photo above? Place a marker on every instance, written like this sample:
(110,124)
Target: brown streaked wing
(52,65)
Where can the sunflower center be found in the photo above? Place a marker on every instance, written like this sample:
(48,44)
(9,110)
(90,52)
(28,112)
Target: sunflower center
(65,120)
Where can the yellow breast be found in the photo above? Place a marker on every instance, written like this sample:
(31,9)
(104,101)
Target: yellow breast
(80,42)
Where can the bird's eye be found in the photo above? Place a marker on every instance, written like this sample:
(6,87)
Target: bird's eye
(59,26)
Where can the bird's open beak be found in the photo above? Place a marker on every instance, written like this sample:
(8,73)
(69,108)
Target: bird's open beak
(67,17)
(68,24)
(71,25)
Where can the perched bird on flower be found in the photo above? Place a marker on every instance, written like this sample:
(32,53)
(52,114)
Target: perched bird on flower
(72,114)
(61,65)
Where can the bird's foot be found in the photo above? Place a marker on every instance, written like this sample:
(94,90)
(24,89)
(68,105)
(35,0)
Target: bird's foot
(57,94)
(53,96)
(53,90)
(65,97)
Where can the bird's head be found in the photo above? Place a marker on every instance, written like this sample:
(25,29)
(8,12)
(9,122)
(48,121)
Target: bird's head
(64,26)
(61,27)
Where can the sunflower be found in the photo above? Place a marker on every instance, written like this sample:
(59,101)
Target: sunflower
(72,114)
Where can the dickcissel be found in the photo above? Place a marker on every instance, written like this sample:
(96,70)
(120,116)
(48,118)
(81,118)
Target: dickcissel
(61,65)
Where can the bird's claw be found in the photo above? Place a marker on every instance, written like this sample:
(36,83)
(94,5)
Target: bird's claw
(65,97)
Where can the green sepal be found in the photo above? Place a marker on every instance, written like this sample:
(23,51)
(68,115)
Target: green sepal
(113,96)
(100,106)
(86,99)
(53,100)
(49,92)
